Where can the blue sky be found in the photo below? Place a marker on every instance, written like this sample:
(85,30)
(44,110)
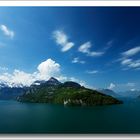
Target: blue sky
(95,46)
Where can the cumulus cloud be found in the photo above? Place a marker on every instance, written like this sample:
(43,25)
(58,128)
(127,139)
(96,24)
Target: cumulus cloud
(77,60)
(45,70)
(62,39)
(85,48)
(21,77)
(17,78)
(48,68)
(111,86)
(6,31)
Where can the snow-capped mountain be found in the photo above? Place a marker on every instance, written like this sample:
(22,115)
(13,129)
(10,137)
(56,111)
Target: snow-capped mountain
(3,85)
(6,84)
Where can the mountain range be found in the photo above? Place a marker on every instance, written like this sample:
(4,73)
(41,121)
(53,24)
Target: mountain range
(15,91)
(130,93)
(67,93)
(124,94)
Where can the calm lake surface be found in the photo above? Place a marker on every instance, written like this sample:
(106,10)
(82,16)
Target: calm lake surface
(18,117)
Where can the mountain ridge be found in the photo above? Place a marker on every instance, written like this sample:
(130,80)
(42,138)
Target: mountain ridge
(108,92)
(67,93)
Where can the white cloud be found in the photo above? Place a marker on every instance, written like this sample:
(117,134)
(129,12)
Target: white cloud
(130,63)
(48,69)
(133,89)
(82,83)
(126,61)
(20,77)
(62,39)
(7,31)
(77,60)
(85,48)
(45,70)
(93,72)
(95,54)
(67,46)
(131,52)
(134,64)
(111,86)
(63,78)
(3,68)
(17,78)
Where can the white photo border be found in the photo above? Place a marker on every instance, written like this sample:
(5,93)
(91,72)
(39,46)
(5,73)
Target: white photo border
(72,3)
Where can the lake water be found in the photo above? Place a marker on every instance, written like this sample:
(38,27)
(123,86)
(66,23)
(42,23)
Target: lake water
(18,117)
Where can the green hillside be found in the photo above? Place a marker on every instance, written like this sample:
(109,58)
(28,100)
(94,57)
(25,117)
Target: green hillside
(68,93)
